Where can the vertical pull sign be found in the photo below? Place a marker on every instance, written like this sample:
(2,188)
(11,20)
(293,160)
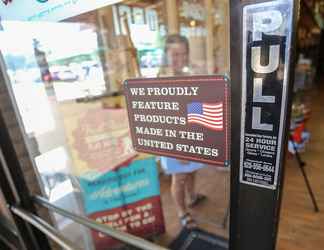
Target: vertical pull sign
(266,42)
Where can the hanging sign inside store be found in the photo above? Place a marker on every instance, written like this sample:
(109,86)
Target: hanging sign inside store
(181,117)
(43,10)
(266,36)
(127,199)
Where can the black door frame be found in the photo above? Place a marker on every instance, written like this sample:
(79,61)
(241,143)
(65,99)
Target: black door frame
(8,235)
(15,191)
(247,232)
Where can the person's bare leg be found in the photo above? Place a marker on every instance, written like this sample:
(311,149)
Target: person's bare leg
(178,192)
(193,196)
(190,186)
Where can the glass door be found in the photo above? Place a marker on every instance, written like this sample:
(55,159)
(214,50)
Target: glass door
(66,81)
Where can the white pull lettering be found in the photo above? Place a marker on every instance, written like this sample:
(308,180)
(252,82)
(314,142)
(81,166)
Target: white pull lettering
(266,22)
(273,60)
(256,120)
(257,92)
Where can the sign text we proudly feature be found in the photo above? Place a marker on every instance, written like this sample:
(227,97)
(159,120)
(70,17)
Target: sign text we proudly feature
(184,117)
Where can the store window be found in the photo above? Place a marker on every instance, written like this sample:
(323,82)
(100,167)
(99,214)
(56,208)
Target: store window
(66,78)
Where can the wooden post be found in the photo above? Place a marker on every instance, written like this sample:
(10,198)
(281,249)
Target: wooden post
(106,24)
(210,36)
(106,40)
(172,16)
(132,48)
(225,36)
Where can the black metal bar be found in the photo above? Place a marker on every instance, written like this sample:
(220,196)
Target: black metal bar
(236,91)
(8,224)
(298,158)
(254,213)
(24,231)
(119,235)
(4,244)
(310,191)
(8,234)
(47,229)
(32,238)
(301,165)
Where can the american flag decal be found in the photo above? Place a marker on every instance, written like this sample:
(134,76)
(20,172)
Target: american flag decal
(209,115)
